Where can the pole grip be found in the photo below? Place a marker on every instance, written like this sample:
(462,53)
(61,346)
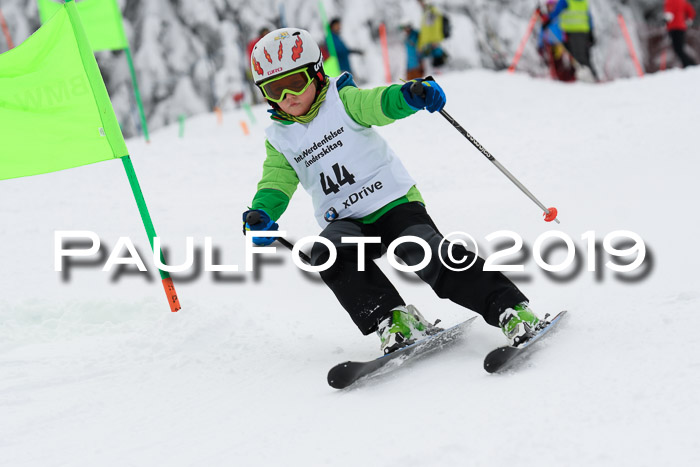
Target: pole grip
(417,88)
(252,218)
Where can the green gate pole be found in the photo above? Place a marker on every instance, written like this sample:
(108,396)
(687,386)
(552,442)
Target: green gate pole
(249,112)
(181,119)
(151,231)
(135,84)
(331,66)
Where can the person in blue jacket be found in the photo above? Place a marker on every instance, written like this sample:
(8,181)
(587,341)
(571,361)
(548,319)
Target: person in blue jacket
(341,50)
(414,65)
(550,44)
(577,23)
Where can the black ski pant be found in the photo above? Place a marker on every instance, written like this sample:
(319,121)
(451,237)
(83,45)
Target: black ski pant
(369,297)
(579,46)
(678,41)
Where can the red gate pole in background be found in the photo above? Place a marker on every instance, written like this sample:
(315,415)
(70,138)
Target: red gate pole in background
(630,45)
(662,65)
(6,31)
(385,52)
(523,42)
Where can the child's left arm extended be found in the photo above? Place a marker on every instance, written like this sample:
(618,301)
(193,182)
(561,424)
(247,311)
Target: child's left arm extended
(383,105)
(378,106)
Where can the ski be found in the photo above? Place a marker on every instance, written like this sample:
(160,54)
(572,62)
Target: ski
(503,357)
(345,374)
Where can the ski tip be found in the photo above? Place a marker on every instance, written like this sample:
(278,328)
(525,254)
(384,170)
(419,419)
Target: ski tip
(347,373)
(502,357)
(558,316)
(336,379)
(496,359)
(335,385)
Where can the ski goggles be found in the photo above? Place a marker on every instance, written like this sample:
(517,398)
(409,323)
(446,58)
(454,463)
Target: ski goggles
(294,83)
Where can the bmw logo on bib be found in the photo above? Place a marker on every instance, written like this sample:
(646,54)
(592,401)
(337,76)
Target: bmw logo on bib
(331,215)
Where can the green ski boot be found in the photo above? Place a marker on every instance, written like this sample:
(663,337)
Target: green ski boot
(404,327)
(519,324)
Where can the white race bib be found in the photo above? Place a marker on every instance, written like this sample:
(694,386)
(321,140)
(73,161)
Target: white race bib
(349,170)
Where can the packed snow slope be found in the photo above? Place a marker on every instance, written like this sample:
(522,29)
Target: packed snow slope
(95,369)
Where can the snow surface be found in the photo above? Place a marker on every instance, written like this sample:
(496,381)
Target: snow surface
(95,372)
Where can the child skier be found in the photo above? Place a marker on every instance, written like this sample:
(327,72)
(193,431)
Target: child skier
(322,137)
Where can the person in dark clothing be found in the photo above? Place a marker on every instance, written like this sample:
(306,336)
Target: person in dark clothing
(576,22)
(678,15)
(414,66)
(432,34)
(341,50)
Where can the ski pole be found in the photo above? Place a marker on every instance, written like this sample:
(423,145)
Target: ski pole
(253,217)
(304,257)
(549,214)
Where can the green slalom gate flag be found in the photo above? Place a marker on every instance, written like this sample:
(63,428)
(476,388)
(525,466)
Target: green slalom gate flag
(55,112)
(104,28)
(101,19)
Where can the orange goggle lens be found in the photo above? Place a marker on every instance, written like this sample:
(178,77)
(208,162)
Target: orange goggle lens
(294,83)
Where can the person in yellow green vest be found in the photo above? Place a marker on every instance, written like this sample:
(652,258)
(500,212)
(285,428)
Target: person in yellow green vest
(576,22)
(431,34)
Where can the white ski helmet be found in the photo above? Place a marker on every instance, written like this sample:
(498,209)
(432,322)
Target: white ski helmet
(285,50)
